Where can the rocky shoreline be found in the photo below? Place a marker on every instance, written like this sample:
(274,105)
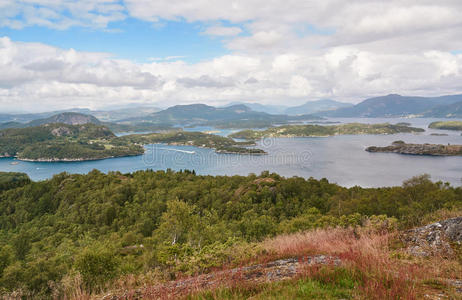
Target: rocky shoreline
(69,159)
(107,157)
(401,147)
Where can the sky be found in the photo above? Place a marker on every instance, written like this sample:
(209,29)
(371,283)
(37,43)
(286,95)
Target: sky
(58,54)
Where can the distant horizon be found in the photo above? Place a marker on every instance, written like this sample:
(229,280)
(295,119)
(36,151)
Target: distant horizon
(163,107)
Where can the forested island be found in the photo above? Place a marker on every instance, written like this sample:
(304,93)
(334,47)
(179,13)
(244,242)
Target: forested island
(446,125)
(419,149)
(322,131)
(77,236)
(198,139)
(64,142)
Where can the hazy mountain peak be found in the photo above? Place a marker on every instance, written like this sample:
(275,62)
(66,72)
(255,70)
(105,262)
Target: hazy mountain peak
(316,106)
(70,118)
(394,105)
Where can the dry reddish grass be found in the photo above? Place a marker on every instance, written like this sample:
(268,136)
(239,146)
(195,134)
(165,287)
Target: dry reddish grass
(382,273)
(385,273)
(366,253)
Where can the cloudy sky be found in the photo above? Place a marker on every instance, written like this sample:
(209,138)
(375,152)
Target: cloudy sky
(57,54)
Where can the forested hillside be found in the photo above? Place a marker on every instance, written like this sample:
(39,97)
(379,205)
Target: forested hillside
(57,141)
(157,224)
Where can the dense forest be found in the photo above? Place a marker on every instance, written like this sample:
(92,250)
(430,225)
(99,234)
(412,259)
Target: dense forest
(199,139)
(103,226)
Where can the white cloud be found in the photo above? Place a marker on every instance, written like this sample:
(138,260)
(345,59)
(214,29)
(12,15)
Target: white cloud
(223,31)
(60,14)
(290,51)
(39,77)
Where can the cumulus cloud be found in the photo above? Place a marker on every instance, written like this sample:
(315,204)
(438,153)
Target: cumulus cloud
(60,14)
(291,51)
(32,74)
(206,81)
(223,31)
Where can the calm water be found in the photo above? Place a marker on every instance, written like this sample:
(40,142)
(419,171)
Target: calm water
(341,159)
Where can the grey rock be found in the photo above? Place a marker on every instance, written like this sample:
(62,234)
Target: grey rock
(436,238)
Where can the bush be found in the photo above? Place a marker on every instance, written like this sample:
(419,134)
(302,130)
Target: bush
(96,267)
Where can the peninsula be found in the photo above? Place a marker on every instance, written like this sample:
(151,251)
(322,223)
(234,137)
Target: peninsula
(63,142)
(321,131)
(419,149)
(59,142)
(221,144)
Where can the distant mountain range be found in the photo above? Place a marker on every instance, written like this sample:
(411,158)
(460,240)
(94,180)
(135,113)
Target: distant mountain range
(69,118)
(307,108)
(235,116)
(266,108)
(312,107)
(250,115)
(200,113)
(394,105)
(453,110)
(24,118)
(124,113)
(103,115)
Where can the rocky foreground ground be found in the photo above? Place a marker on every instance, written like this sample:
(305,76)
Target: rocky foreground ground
(269,272)
(441,239)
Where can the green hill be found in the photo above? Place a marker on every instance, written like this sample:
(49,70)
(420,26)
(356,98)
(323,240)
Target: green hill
(70,118)
(62,142)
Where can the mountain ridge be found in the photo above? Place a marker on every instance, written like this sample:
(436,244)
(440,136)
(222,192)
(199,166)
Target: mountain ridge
(317,106)
(394,105)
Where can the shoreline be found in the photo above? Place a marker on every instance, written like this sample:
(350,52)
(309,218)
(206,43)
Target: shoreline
(109,157)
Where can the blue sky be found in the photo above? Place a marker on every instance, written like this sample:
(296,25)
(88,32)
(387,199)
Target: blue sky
(168,52)
(130,39)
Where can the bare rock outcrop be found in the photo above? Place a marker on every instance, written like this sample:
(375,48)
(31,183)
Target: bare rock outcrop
(440,238)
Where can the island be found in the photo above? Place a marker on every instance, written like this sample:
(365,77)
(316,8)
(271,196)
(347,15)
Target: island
(58,142)
(419,149)
(221,144)
(446,125)
(64,142)
(439,134)
(323,131)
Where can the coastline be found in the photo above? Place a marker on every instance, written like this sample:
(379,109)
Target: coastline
(70,159)
(108,157)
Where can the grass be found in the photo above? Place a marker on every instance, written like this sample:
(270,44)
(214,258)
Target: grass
(333,284)
(372,267)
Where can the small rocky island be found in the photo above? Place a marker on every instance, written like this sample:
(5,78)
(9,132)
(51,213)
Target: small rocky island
(419,149)
(446,125)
